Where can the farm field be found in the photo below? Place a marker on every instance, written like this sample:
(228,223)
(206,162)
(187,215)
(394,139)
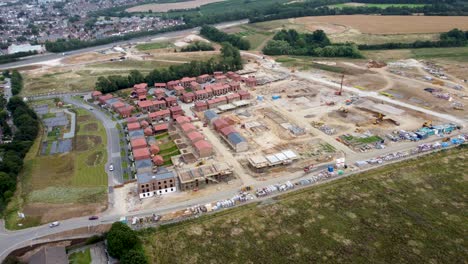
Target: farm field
(407,212)
(170,6)
(154,45)
(61,186)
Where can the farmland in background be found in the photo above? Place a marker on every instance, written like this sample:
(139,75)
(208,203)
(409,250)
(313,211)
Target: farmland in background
(407,212)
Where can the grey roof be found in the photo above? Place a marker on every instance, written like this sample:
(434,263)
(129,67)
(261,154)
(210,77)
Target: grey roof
(210,115)
(48,255)
(41,109)
(162,174)
(136,134)
(112,101)
(235,138)
(139,164)
(56,121)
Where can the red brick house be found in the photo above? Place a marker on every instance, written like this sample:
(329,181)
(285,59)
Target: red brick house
(159,128)
(212,103)
(234,86)
(148,131)
(140,86)
(160,85)
(179,90)
(234,76)
(186,81)
(227,130)
(141,154)
(144,124)
(137,92)
(244,95)
(125,111)
(118,105)
(201,95)
(95,95)
(171,84)
(201,106)
(159,105)
(209,91)
(180,120)
(251,81)
(158,160)
(159,115)
(220,90)
(154,149)
(188,97)
(195,86)
(138,143)
(133,126)
(159,93)
(195,136)
(221,78)
(217,73)
(187,128)
(170,101)
(203,78)
(219,124)
(176,111)
(142,98)
(146,106)
(233,97)
(203,148)
(222,100)
(103,98)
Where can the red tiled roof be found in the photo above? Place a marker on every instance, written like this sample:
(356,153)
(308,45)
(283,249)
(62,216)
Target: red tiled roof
(199,92)
(133,126)
(144,104)
(227,130)
(158,160)
(140,86)
(202,145)
(131,119)
(194,136)
(138,143)
(200,103)
(141,153)
(179,88)
(220,123)
(118,105)
(96,93)
(159,113)
(161,127)
(182,119)
(188,127)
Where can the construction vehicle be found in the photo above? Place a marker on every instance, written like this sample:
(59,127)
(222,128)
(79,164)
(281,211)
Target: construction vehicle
(341,87)
(308,168)
(343,109)
(246,188)
(378,119)
(447,139)
(428,123)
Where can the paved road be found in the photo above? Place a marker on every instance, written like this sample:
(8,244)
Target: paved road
(113,141)
(53,56)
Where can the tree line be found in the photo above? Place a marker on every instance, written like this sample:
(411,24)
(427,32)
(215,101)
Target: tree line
(230,60)
(26,130)
(290,42)
(16,82)
(198,46)
(216,35)
(452,38)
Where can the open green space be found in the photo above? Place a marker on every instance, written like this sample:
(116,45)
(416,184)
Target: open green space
(76,178)
(459,54)
(154,45)
(307,63)
(377,5)
(410,212)
(253,35)
(80,257)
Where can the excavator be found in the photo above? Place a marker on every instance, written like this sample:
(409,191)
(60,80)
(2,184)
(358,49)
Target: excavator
(428,123)
(343,109)
(379,119)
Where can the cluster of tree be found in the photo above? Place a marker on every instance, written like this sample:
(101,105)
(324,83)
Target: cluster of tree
(214,34)
(27,128)
(15,56)
(290,42)
(318,8)
(453,38)
(197,46)
(16,82)
(230,60)
(124,244)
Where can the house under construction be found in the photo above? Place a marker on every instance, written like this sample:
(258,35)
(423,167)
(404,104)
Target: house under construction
(197,177)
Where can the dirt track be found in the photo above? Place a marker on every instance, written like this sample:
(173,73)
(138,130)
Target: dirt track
(391,24)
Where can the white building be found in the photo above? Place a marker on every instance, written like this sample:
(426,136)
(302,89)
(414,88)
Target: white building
(25,48)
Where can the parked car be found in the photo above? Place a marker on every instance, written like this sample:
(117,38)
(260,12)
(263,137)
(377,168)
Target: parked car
(54,224)
(94,217)
(111,167)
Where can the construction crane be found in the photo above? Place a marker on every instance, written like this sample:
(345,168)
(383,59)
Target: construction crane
(341,87)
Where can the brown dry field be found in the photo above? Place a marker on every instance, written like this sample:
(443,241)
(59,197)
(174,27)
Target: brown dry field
(171,6)
(391,24)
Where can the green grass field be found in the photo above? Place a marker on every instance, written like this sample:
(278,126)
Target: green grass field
(459,54)
(80,257)
(254,36)
(154,45)
(76,178)
(410,212)
(379,5)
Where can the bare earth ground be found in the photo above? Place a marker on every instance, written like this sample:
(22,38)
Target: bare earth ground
(393,24)
(171,6)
